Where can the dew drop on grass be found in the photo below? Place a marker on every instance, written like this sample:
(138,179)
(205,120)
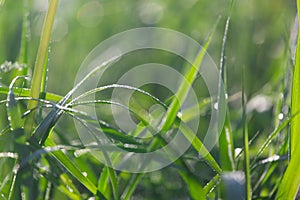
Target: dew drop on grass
(69,188)
(237,151)
(280,116)
(130,146)
(216,106)
(226,96)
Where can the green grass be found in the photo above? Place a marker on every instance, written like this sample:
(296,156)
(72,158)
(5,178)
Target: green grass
(256,157)
(40,64)
(291,180)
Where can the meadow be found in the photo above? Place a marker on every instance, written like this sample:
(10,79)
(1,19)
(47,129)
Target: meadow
(64,134)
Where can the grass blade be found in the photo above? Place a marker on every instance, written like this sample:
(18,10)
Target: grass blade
(24,92)
(225,140)
(114,182)
(131,186)
(103,185)
(13,110)
(291,180)
(185,85)
(246,142)
(40,64)
(171,118)
(212,184)
(172,111)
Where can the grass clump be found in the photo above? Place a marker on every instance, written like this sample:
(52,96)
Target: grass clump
(255,158)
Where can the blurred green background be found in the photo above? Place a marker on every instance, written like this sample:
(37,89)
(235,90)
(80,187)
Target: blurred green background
(258,39)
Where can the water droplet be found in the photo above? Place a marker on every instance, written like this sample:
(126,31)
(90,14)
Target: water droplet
(216,106)
(226,96)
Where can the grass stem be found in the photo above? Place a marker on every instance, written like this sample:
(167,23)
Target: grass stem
(38,74)
(246,142)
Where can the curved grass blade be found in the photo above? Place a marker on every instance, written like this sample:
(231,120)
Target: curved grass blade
(88,76)
(13,110)
(42,131)
(109,130)
(291,181)
(99,89)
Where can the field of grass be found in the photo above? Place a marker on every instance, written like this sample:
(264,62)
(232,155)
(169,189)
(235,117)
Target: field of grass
(53,146)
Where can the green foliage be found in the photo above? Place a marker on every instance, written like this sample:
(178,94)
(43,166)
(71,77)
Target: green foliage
(42,157)
(291,180)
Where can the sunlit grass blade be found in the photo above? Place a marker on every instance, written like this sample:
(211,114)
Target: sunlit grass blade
(42,131)
(291,180)
(99,89)
(200,148)
(245,142)
(39,68)
(24,92)
(212,184)
(171,118)
(226,146)
(185,85)
(87,77)
(227,161)
(103,183)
